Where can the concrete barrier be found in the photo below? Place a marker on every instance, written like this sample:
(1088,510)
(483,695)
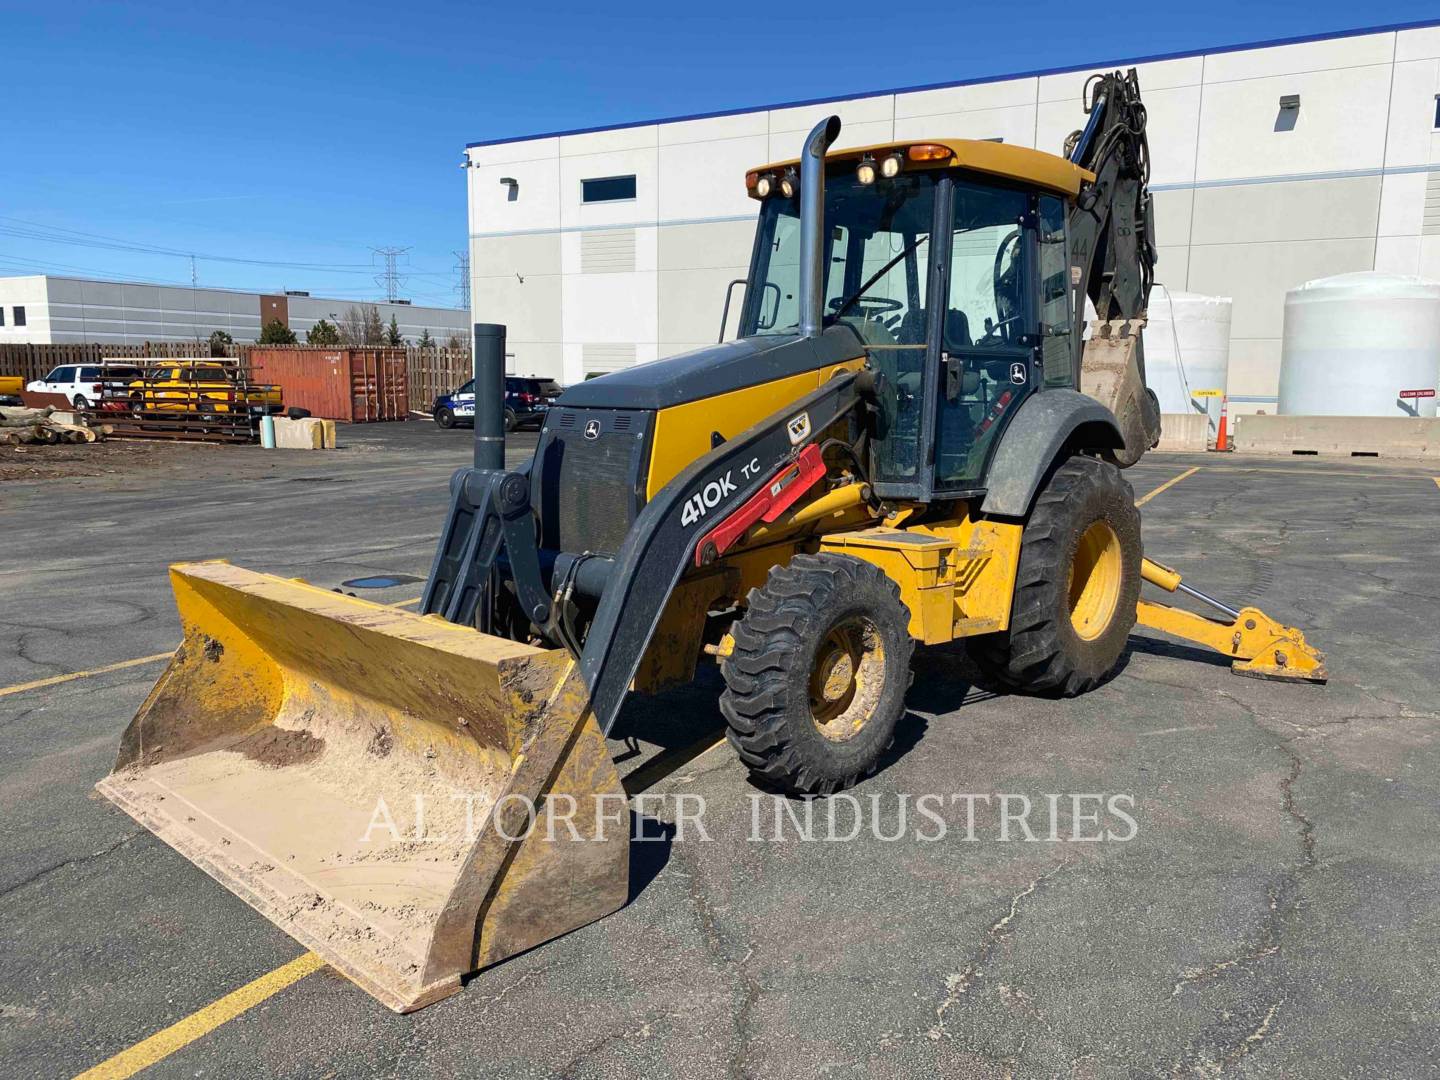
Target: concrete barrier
(1184,432)
(311,433)
(1344,436)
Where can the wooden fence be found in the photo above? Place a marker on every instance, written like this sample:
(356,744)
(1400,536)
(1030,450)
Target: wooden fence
(430,372)
(36,361)
(434,372)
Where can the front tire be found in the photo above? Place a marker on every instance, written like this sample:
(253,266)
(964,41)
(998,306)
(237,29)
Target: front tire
(1075,588)
(445,417)
(817,679)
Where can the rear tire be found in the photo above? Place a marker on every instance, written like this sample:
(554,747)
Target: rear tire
(80,404)
(817,679)
(1076,586)
(444,417)
(511,422)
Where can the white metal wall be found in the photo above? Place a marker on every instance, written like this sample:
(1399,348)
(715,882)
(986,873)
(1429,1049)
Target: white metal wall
(1245,208)
(64,310)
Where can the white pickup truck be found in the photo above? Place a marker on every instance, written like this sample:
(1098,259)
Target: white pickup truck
(83,384)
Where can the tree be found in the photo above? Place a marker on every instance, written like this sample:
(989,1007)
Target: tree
(322,333)
(456,343)
(276,332)
(219,342)
(392,333)
(362,326)
(426,341)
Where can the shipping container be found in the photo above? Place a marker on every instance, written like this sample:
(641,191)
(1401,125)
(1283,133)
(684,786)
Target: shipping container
(354,385)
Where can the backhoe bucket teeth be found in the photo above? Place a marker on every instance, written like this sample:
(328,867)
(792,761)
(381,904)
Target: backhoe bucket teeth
(357,773)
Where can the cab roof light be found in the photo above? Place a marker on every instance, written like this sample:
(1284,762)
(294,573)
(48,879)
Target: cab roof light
(865,171)
(929,152)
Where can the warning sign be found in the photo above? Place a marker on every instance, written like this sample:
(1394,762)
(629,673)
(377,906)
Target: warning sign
(1417,393)
(1207,393)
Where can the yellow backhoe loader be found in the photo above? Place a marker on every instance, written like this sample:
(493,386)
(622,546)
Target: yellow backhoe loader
(914,439)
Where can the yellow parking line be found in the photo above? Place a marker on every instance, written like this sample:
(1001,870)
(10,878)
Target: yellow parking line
(180,1034)
(1167,485)
(183,1032)
(54,680)
(1437,480)
(405,603)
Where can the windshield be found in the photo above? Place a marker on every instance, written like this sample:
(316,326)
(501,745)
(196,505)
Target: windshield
(874,264)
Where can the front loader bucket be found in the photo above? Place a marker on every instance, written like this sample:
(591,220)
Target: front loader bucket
(365,778)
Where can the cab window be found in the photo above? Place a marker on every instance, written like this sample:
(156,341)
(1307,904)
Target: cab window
(986,355)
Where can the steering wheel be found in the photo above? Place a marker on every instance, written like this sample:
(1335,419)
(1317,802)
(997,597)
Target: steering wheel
(868,305)
(1010,240)
(994,332)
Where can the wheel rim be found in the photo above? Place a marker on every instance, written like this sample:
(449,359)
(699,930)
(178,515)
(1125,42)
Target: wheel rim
(1095,577)
(846,678)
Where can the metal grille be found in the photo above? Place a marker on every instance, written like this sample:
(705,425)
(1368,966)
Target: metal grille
(607,251)
(589,485)
(1430,223)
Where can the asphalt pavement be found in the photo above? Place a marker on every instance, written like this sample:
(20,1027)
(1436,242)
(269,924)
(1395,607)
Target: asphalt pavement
(1264,902)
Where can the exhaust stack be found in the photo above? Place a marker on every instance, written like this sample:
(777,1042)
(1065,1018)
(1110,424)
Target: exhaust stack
(812,226)
(489,396)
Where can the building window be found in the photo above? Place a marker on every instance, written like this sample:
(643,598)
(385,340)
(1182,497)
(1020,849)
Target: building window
(19,316)
(607,189)
(2,316)
(1437,110)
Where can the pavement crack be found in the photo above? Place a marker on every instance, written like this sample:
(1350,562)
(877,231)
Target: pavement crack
(714,941)
(48,870)
(958,984)
(643,1031)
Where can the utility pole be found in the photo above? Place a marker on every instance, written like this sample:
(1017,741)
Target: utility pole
(192,271)
(462,273)
(389,280)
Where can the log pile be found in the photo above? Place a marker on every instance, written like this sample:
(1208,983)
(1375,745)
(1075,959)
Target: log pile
(41,427)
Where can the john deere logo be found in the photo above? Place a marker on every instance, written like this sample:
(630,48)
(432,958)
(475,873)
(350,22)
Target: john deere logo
(592,429)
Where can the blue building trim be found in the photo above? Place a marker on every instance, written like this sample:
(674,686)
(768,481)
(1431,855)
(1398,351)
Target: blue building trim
(1304,39)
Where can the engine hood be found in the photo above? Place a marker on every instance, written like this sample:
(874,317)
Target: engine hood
(715,369)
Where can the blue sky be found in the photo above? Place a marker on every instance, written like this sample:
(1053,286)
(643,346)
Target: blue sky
(302,136)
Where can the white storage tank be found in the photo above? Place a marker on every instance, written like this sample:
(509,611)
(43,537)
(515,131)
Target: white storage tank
(1364,344)
(1187,351)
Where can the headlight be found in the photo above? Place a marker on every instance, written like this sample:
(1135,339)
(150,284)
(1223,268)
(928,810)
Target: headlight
(890,167)
(865,171)
(764,186)
(787,184)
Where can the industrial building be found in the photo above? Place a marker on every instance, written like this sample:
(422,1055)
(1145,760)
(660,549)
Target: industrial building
(44,309)
(1272,164)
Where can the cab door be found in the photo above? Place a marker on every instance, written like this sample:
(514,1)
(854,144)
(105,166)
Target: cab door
(989,355)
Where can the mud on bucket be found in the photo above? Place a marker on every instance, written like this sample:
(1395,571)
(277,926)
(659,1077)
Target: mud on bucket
(336,765)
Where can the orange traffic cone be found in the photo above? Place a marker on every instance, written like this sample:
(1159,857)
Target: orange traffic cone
(1222,441)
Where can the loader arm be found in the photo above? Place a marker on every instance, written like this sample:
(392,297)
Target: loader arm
(488,508)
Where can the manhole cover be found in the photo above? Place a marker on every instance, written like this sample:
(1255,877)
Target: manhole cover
(385,581)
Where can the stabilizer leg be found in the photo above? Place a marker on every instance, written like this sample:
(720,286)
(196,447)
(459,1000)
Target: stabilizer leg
(1260,646)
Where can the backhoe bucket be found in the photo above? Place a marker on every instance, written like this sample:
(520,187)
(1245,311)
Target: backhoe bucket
(411,799)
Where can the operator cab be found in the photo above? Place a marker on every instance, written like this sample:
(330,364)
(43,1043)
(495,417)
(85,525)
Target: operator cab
(948,262)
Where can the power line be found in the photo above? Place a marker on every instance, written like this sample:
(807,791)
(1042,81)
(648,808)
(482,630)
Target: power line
(390,279)
(51,234)
(462,271)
